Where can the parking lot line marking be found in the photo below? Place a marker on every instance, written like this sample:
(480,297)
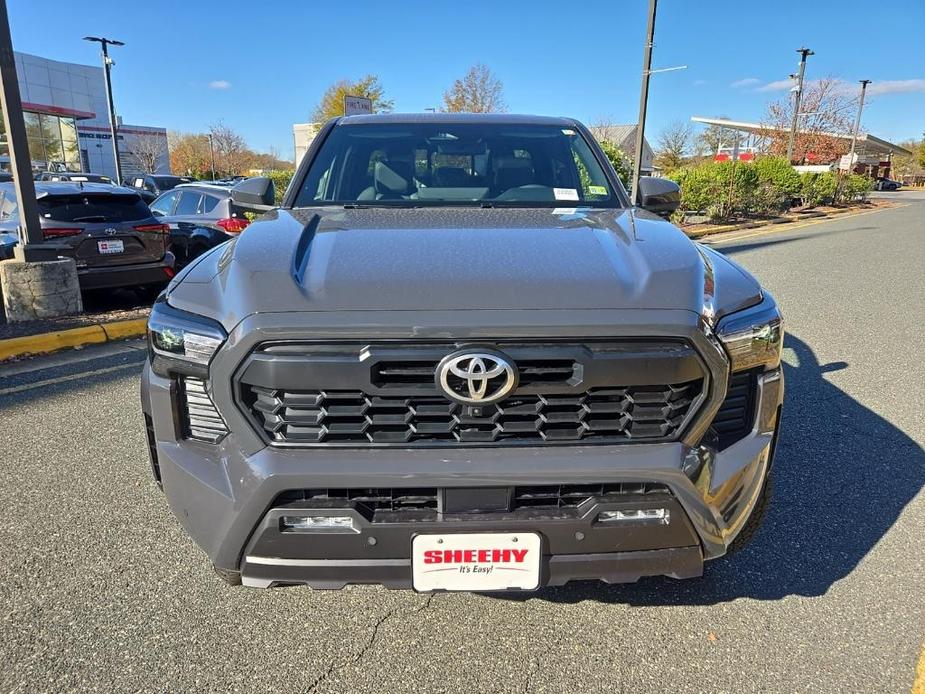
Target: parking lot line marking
(69,377)
(783,228)
(68,358)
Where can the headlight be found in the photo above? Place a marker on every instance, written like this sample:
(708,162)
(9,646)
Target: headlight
(181,342)
(753,337)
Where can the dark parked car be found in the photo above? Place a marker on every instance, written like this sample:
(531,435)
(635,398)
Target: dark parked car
(67,176)
(884,183)
(458,358)
(200,216)
(5,177)
(152,185)
(108,230)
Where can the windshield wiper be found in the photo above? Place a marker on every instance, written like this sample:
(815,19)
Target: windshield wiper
(90,218)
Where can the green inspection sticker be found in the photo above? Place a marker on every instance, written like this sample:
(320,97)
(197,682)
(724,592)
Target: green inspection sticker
(597,190)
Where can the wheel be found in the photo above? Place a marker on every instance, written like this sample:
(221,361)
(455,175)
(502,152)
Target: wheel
(232,578)
(754,522)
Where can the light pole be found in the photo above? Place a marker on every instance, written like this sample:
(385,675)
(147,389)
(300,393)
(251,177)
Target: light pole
(643,101)
(107,66)
(857,122)
(804,52)
(30,232)
(212,155)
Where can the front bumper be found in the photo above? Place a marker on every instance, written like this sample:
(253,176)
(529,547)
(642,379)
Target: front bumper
(222,494)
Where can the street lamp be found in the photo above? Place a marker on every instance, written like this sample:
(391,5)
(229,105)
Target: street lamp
(797,93)
(107,65)
(211,154)
(857,121)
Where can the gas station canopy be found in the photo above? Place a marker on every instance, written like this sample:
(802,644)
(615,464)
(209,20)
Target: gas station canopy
(870,149)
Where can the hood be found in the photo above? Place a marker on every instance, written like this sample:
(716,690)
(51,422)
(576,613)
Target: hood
(388,259)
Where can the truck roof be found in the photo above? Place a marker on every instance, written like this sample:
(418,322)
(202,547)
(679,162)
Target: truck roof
(427,117)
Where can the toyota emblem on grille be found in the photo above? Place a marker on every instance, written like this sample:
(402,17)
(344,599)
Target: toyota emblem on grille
(476,377)
(111,231)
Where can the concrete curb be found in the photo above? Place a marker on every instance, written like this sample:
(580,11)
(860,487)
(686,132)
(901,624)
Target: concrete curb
(74,337)
(699,233)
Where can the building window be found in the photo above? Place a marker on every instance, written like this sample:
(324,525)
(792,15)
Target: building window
(52,142)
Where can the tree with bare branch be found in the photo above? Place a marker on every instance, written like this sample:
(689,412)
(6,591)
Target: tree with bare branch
(479,91)
(826,109)
(146,149)
(672,145)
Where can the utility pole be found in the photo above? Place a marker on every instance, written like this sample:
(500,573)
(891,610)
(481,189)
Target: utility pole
(804,52)
(30,231)
(212,155)
(643,101)
(107,66)
(857,121)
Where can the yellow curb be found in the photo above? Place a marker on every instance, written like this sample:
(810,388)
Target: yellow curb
(779,222)
(74,337)
(790,226)
(119,330)
(918,686)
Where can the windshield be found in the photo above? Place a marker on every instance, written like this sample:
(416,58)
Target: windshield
(456,164)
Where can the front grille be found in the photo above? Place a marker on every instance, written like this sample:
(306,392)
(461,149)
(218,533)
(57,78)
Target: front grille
(533,372)
(351,417)
(736,415)
(385,394)
(396,504)
(200,420)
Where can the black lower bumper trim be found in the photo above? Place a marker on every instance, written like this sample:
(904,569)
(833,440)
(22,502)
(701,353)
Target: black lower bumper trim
(557,570)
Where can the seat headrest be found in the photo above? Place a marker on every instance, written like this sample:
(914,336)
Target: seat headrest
(451,177)
(512,172)
(392,177)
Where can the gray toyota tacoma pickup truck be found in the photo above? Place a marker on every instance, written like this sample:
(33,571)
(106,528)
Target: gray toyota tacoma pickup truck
(457,358)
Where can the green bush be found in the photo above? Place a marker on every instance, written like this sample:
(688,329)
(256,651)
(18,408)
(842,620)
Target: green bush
(855,187)
(818,188)
(281,181)
(721,190)
(778,184)
(622,163)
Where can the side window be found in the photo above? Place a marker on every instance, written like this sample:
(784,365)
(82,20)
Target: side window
(8,206)
(163,206)
(149,185)
(189,203)
(208,203)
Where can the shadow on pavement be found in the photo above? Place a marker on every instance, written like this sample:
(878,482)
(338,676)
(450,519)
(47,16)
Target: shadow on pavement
(842,476)
(764,241)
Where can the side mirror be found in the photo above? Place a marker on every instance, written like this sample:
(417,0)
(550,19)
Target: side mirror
(256,193)
(659,195)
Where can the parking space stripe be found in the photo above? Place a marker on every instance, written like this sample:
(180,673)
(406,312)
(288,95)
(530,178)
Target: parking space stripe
(69,377)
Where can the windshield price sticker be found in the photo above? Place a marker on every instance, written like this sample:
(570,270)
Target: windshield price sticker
(565,193)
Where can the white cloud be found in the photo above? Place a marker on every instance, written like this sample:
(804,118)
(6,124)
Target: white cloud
(700,83)
(747,82)
(896,86)
(776,86)
(219,84)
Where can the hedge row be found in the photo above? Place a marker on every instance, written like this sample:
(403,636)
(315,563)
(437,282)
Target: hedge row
(767,186)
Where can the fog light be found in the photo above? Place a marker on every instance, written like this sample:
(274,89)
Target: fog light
(649,515)
(342,524)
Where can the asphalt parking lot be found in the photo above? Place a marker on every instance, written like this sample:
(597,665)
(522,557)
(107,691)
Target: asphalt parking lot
(101,589)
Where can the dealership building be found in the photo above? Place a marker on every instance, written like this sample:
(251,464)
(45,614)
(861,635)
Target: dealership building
(67,123)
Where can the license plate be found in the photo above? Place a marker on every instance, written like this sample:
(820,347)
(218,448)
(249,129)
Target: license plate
(476,561)
(108,247)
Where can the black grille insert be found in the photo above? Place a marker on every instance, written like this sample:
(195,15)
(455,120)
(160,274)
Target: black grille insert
(736,415)
(201,421)
(353,417)
(395,503)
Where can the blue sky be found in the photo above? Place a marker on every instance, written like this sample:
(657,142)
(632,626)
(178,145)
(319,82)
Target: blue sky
(260,66)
